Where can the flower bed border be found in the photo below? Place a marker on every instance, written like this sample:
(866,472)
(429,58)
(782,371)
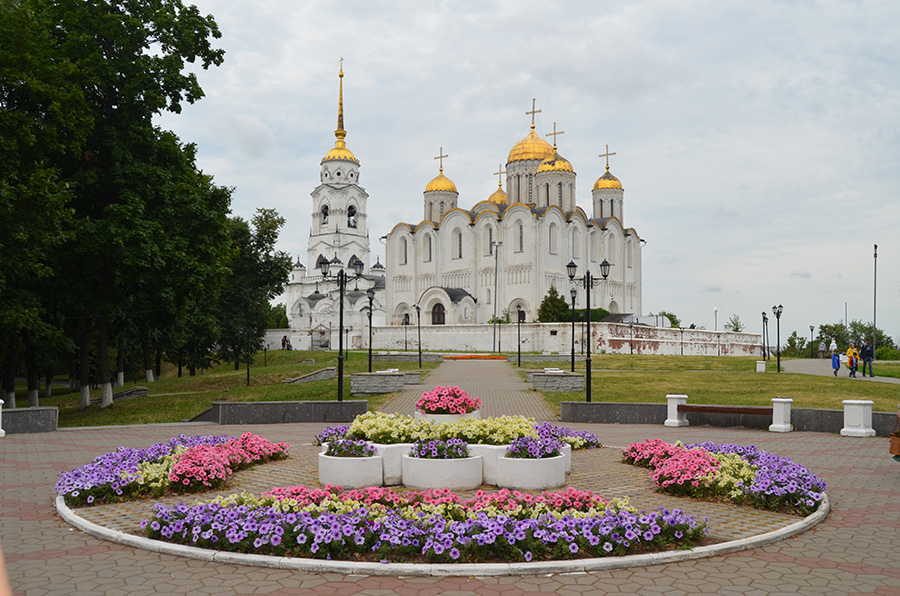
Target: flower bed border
(441,569)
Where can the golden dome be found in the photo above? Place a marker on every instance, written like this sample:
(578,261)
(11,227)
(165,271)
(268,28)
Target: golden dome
(499,197)
(340,151)
(555,163)
(441,182)
(531,147)
(607,180)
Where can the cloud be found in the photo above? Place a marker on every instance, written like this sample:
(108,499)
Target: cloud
(801,275)
(711,289)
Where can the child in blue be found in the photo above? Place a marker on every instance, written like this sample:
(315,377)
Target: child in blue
(835,361)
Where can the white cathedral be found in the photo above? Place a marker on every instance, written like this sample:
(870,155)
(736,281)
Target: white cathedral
(462,266)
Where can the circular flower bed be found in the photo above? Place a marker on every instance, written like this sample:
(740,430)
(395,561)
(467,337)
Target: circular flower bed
(437,449)
(531,448)
(447,400)
(728,471)
(349,448)
(435,526)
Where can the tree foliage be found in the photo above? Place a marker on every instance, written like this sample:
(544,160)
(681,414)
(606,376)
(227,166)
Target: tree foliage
(735,324)
(553,308)
(673,319)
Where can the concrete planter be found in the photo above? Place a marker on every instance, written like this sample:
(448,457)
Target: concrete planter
(393,461)
(445,418)
(531,474)
(455,474)
(351,472)
(567,453)
(490,454)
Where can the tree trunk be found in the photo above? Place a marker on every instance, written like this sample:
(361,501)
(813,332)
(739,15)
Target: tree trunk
(84,369)
(103,354)
(120,361)
(31,372)
(148,364)
(48,389)
(9,372)
(72,367)
(158,363)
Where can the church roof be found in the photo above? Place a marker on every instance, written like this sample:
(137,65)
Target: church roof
(457,294)
(499,196)
(442,183)
(529,148)
(607,180)
(555,163)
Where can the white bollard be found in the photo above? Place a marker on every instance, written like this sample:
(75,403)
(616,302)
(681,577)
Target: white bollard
(2,432)
(781,415)
(858,418)
(676,418)
(760,366)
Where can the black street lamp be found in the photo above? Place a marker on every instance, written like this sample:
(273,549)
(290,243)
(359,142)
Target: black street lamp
(765,333)
(587,282)
(419,325)
(519,330)
(341,278)
(777,310)
(370,293)
(574,293)
(405,327)
(812,348)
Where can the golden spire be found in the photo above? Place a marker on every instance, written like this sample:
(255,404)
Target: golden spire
(340,133)
(606,155)
(532,112)
(554,134)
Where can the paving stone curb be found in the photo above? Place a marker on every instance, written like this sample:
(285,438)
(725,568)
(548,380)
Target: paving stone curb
(441,570)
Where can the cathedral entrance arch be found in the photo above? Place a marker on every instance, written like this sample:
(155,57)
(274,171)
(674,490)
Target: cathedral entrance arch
(613,306)
(438,314)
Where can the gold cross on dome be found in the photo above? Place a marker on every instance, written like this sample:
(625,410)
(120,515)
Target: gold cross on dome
(532,112)
(499,173)
(554,134)
(606,155)
(441,157)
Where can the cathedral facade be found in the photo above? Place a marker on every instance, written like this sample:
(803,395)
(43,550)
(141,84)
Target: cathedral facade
(502,255)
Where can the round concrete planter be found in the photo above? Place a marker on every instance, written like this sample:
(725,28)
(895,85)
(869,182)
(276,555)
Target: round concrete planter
(490,454)
(567,453)
(445,418)
(455,474)
(531,474)
(393,461)
(351,472)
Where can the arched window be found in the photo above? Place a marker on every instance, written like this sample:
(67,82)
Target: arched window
(324,219)
(560,195)
(457,244)
(442,208)
(552,239)
(437,314)
(351,217)
(427,249)
(403,251)
(521,237)
(530,188)
(490,241)
(406,318)
(629,253)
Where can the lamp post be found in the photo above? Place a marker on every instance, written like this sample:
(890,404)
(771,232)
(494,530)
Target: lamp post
(588,282)
(495,246)
(370,293)
(812,348)
(419,325)
(765,331)
(573,292)
(519,331)
(682,340)
(777,310)
(341,278)
(874,310)
(405,327)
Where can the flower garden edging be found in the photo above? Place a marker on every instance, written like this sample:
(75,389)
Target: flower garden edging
(456,474)
(351,472)
(446,418)
(440,570)
(392,456)
(531,474)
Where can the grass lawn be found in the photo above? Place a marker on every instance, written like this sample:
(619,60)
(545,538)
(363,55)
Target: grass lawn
(174,399)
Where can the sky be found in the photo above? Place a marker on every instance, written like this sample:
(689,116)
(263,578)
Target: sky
(758,142)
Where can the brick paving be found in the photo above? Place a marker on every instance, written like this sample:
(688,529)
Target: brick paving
(856,550)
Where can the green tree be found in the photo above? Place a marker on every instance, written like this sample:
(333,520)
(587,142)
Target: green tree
(795,347)
(673,319)
(734,324)
(857,332)
(553,308)
(277,317)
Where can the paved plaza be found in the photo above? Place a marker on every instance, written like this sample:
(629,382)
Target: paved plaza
(855,550)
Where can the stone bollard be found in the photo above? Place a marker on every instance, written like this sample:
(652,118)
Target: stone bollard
(2,432)
(676,418)
(760,366)
(781,415)
(858,418)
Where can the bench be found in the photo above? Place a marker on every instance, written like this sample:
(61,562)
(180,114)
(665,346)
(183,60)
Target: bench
(780,411)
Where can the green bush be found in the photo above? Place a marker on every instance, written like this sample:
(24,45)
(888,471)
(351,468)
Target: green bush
(887,353)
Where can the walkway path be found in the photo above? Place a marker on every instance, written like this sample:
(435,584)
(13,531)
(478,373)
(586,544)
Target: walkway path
(495,382)
(822,368)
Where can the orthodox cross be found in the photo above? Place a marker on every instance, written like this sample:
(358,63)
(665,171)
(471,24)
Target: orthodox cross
(606,155)
(499,173)
(532,112)
(554,134)
(441,157)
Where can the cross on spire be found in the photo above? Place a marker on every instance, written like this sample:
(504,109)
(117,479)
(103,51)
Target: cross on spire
(554,134)
(606,155)
(532,112)
(499,173)
(441,157)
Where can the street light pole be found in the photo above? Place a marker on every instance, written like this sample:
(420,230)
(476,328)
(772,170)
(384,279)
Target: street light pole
(777,310)
(419,325)
(812,348)
(370,293)
(573,292)
(874,310)
(342,279)
(765,332)
(588,282)
(519,331)
(495,246)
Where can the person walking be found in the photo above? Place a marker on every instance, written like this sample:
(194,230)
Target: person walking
(852,359)
(835,361)
(868,355)
(822,349)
